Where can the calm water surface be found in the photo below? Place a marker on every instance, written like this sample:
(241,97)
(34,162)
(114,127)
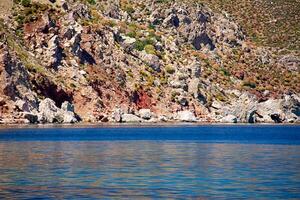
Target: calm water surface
(206,162)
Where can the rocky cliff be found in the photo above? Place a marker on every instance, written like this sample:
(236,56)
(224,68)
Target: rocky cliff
(139,61)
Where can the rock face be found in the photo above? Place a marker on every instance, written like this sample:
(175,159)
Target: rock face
(154,61)
(186,116)
(130,118)
(49,113)
(279,110)
(241,109)
(247,109)
(270,111)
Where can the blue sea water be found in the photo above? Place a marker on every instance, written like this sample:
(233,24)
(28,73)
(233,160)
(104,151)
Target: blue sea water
(182,162)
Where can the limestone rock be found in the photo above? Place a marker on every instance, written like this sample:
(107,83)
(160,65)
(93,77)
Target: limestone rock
(66,106)
(172,21)
(69,117)
(130,118)
(186,116)
(128,40)
(270,111)
(152,60)
(145,114)
(49,113)
(117,115)
(229,119)
(22,105)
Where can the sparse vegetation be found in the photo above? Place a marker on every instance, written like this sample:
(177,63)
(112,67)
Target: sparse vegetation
(170,69)
(150,49)
(270,23)
(168,66)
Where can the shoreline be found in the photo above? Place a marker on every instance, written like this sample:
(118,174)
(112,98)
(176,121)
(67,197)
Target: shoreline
(135,125)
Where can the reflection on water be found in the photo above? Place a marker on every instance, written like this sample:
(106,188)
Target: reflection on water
(147,170)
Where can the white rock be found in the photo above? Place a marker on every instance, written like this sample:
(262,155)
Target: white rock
(69,117)
(82,72)
(193,86)
(229,119)
(22,105)
(128,40)
(130,118)
(186,116)
(66,106)
(162,118)
(175,84)
(145,114)
(117,115)
(216,105)
(49,113)
(268,109)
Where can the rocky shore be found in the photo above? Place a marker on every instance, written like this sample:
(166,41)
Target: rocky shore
(248,111)
(139,62)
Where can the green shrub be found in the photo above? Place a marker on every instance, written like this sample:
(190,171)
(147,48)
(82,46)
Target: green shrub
(26,3)
(151,26)
(131,34)
(225,72)
(249,84)
(140,44)
(162,1)
(111,23)
(17,1)
(170,70)
(130,10)
(149,48)
(92,2)
(72,85)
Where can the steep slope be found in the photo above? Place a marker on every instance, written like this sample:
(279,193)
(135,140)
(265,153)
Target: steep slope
(139,61)
(268,23)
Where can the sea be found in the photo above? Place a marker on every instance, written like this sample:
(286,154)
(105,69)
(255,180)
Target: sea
(150,162)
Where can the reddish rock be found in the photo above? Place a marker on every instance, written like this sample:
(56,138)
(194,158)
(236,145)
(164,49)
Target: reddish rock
(142,99)
(40,25)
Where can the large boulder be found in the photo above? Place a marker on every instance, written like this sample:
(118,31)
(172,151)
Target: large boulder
(31,117)
(270,111)
(286,109)
(145,114)
(68,117)
(130,118)
(67,106)
(151,60)
(171,21)
(49,113)
(229,119)
(22,105)
(186,116)
(117,115)
(243,108)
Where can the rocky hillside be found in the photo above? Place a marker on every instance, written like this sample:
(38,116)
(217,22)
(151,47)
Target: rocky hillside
(268,23)
(139,61)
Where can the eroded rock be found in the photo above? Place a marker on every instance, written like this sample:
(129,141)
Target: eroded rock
(130,118)
(49,113)
(186,116)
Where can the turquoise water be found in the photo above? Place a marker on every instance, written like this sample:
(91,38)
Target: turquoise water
(206,162)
